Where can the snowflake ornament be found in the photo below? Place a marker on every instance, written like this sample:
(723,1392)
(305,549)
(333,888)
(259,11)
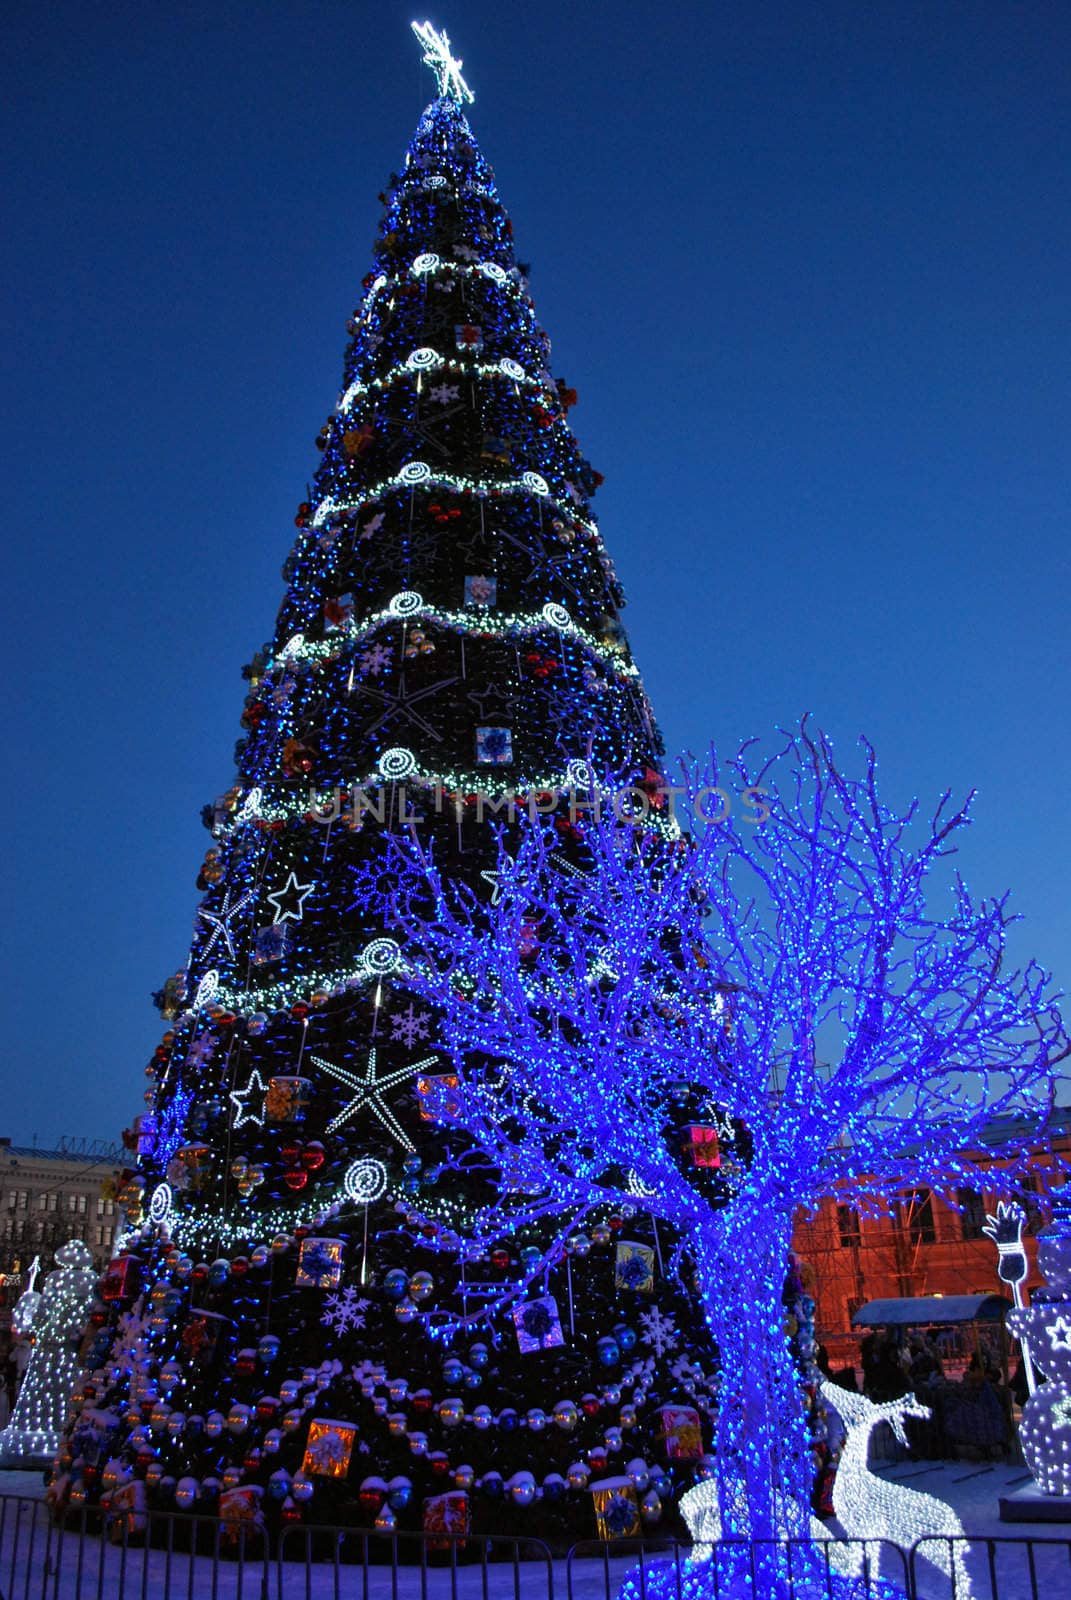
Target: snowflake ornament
(443,393)
(130,1349)
(410,1026)
(376,659)
(200,1050)
(345,1310)
(659,1331)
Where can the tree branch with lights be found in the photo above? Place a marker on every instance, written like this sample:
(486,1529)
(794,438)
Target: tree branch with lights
(850,1027)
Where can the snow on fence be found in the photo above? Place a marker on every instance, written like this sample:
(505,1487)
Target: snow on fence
(173,1556)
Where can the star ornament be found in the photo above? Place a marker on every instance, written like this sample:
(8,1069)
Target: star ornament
(1060,1415)
(447,68)
(368,1089)
(220,921)
(248,1103)
(1059,1332)
(289,901)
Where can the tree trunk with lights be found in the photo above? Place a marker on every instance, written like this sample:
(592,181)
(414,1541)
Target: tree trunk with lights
(762,1449)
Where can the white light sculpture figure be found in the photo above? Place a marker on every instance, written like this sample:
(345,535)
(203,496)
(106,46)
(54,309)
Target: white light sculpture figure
(36,1422)
(1044,1432)
(869,1507)
(447,68)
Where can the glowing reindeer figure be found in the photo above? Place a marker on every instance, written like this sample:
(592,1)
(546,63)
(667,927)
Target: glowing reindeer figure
(869,1507)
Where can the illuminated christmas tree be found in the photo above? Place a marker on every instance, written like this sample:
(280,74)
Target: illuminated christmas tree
(449,655)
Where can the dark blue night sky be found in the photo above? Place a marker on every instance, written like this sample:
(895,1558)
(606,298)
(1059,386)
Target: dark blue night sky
(807,265)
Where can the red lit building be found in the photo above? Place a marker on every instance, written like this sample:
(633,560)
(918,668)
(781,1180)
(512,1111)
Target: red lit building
(926,1247)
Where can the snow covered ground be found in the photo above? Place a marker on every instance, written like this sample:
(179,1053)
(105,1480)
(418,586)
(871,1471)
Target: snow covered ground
(36,1565)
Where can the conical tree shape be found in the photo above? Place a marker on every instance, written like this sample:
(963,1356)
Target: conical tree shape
(450,638)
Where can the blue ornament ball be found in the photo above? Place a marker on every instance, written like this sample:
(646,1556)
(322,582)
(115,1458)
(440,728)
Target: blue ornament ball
(608,1351)
(399,1493)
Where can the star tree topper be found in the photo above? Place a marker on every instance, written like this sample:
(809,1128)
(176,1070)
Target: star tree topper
(446,67)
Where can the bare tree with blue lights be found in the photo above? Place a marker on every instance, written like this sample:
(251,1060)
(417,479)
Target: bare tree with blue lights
(818,982)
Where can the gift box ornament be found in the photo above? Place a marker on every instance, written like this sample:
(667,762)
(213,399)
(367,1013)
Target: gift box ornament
(270,944)
(127,1507)
(494,746)
(496,449)
(437,1101)
(617,1508)
(634,1267)
(703,1145)
(145,1126)
(202,1337)
(538,1324)
(338,610)
(329,1448)
(447,1513)
(682,1435)
(287,1099)
(241,1514)
(319,1264)
(121,1280)
(480,591)
(195,1160)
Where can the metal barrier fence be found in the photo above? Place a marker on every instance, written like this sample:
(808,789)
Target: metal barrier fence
(352,1564)
(1003,1567)
(798,1569)
(147,1555)
(138,1555)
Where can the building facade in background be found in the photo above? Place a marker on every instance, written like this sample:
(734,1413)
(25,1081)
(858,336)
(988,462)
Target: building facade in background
(50,1196)
(926,1247)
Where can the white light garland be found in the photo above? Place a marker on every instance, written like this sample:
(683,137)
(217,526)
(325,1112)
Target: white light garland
(415,472)
(411,605)
(506,368)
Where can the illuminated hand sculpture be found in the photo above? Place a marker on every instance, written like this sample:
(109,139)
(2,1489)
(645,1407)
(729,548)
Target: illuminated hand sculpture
(1005,1228)
(1006,1231)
